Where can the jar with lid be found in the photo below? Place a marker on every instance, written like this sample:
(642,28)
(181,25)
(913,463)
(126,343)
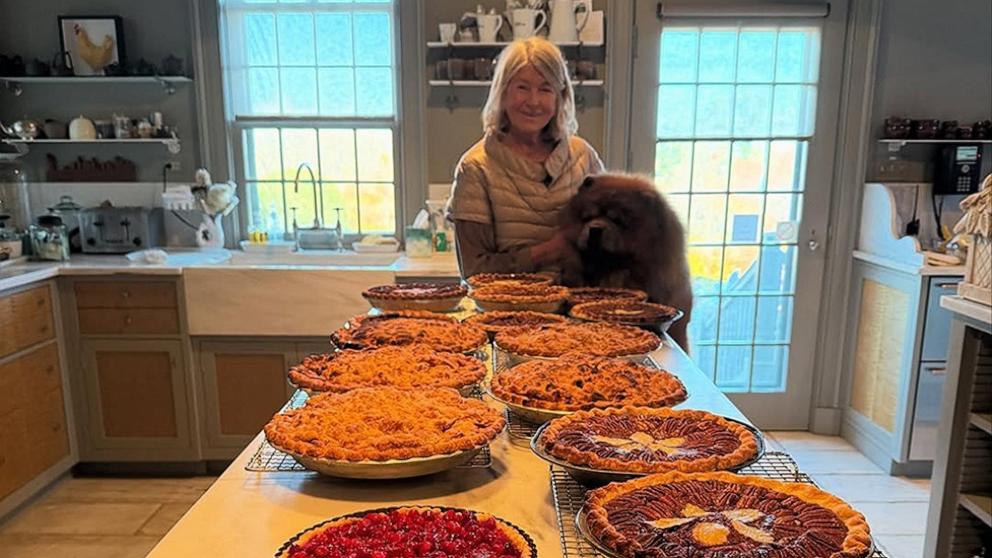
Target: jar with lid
(49,238)
(14,191)
(10,239)
(69,211)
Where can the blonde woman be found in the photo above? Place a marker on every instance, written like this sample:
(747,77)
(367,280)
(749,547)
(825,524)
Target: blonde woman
(509,187)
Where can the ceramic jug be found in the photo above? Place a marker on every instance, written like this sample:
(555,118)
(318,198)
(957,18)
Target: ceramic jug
(565,23)
(527,22)
(489,26)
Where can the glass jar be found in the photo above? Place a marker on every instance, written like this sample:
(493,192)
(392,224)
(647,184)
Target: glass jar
(49,239)
(14,192)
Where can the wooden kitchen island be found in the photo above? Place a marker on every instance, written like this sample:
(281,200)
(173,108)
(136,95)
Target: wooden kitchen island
(252,513)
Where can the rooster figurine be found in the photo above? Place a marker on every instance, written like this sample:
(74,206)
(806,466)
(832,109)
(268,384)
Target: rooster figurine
(96,56)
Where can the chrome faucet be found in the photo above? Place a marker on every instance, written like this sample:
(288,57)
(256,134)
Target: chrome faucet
(315,237)
(313,182)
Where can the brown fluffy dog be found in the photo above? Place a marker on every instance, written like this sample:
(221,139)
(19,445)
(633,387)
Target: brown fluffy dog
(620,232)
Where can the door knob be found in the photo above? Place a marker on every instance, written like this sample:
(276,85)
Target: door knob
(813,243)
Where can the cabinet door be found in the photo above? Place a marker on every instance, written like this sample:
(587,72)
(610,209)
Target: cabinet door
(15,462)
(244,385)
(136,395)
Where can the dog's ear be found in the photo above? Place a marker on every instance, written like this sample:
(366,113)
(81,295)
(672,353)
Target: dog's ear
(589,181)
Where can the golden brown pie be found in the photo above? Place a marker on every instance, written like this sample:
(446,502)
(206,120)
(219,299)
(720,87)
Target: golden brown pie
(720,514)
(436,331)
(513,296)
(578,295)
(578,382)
(497,321)
(482,279)
(384,423)
(434,297)
(632,312)
(594,338)
(412,531)
(643,440)
(409,366)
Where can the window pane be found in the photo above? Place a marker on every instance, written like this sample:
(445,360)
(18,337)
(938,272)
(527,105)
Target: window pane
(753,111)
(744,219)
(781,210)
(706,218)
(345,196)
(334,46)
(740,269)
(303,200)
(678,55)
(378,208)
(299,145)
(747,166)
(704,268)
(711,166)
(676,107)
(680,205)
(733,366)
(778,269)
(296,45)
(375,155)
(337,156)
(374,91)
(337,91)
(770,365)
(299,91)
(787,165)
(737,319)
(268,205)
(714,110)
(702,328)
(717,53)
(373,39)
(705,358)
(756,61)
(798,56)
(263,91)
(262,154)
(793,110)
(774,319)
(260,39)
(673,165)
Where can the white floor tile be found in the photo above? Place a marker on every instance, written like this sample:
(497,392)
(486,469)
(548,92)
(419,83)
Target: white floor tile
(834,462)
(68,518)
(805,441)
(872,488)
(901,518)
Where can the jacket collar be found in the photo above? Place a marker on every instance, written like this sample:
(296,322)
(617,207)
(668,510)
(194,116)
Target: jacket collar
(555,165)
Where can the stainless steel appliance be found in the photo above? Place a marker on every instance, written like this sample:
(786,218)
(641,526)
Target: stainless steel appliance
(118,230)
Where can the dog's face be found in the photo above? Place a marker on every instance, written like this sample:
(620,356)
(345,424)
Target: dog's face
(611,214)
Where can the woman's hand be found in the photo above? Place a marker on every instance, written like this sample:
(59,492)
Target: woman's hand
(548,251)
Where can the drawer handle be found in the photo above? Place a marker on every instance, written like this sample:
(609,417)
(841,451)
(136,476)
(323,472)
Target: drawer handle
(936,370)
(128,320)
(41,302)
(126,294)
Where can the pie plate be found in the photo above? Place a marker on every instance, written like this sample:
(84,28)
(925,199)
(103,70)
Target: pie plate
(518,358)
(390,469)
(589,476)
(464,391)
(531,547)
(448,304)
(658,327)
(548,307)
(530,414)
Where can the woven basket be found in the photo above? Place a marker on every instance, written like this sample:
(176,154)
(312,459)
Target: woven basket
(977,284)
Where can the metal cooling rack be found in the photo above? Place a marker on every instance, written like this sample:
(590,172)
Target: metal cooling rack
(568,497)
(520,430)
(268,459)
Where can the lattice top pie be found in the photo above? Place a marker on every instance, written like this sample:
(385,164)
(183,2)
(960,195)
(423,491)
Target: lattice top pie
(499,320)
(384,423)
(513,292)
(578,295)
(438,332)
(596,338)
(716,515)
(480,279)
(642,440)
(410,366)
(577,382)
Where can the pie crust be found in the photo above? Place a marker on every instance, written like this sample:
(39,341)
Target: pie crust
(578,295)
(515,296)
(384,423)
(441,333)
(434,297)
(594,338)
(578,382)
(497,321)
(643,440)
(717,514)
(481,279)
(373,532)
(632,312)
(409,366)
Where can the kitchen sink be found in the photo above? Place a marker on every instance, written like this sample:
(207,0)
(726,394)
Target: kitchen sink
(315,257)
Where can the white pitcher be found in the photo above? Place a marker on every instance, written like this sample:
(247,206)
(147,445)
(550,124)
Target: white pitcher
(489,26)
(525,22)
(564,26)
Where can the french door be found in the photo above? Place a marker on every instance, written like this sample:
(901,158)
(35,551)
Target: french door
(738,130)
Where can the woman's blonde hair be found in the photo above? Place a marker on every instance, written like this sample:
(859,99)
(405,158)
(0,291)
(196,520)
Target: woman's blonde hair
(549,62)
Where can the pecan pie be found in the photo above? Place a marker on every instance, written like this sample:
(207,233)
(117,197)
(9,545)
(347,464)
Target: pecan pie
(631,312)
(482,279)
(410,366)
(384,423)
(577,382)
(412,532)
(438,332)
(434,297)
(642,440)
(711,515)
(594,338)
(578,295)
(514,296)
(497,321)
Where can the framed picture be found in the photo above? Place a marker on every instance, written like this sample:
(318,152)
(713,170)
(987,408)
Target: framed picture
(93,42)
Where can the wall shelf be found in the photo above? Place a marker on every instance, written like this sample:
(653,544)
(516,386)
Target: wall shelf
(476,83)
(172,144)
(982,421)
(15,83)
(978,504)
(897,144)
(441,44)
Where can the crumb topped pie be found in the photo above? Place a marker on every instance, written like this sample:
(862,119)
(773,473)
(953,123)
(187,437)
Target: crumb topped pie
(577,382)
(594,338)
(720,514)
(410,366)
(578,295)
(438,332)
(632,312)
(412,532)
(435,297)
(643,440)
(498,320)
(515,296)
(384,423)
(481,279)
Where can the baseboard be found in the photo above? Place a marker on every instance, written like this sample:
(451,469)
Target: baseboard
(826,421)
(141,468)
(915,469)
(866,442)
(27,493)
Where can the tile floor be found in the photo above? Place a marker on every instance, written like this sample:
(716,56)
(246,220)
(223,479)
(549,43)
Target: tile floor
(124,518)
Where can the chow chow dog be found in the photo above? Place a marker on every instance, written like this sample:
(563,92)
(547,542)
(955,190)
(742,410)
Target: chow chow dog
(620,232)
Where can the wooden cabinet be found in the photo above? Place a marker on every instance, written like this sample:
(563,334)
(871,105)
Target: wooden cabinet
(127,307)
(25,319)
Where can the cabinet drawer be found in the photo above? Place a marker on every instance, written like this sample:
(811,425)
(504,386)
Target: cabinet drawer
(15,463)
(31,329)
(125,294)
(28,377)
(47,432)
(130,321)
(18,307)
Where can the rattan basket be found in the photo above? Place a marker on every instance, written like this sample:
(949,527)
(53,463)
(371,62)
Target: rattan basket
(977,223)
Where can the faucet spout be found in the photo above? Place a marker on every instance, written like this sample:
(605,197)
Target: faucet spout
(313,183)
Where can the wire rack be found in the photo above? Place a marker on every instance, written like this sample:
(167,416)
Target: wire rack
(569,495)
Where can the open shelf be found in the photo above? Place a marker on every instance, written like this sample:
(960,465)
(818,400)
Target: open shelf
(172,144)
(982,420)
(441,44)
(476,83)
(978,504)
(96,79)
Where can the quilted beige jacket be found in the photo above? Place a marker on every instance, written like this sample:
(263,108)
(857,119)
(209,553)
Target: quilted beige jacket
(494,186)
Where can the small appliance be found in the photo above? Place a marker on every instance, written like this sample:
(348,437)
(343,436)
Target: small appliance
(957,169)
(118,230)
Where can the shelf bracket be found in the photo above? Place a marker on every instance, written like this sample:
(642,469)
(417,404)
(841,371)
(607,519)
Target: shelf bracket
(173,146)
(169,88)
(896,146)
(13,86)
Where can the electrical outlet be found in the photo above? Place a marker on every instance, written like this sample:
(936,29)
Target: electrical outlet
(174,166)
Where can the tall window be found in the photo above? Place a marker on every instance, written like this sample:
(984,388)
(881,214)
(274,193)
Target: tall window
(736,107)
(314,82)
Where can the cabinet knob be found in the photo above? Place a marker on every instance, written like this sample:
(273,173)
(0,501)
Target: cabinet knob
(126,294)
(128,320)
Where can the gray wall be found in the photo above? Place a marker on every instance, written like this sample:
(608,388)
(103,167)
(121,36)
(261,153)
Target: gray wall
(152,30)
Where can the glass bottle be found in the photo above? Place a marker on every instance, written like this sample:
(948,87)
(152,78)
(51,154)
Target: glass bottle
(14,192)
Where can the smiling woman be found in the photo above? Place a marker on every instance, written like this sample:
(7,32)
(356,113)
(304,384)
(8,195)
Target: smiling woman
(509,187)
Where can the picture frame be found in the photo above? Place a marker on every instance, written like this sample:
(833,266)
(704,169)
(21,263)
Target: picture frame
(92,41)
